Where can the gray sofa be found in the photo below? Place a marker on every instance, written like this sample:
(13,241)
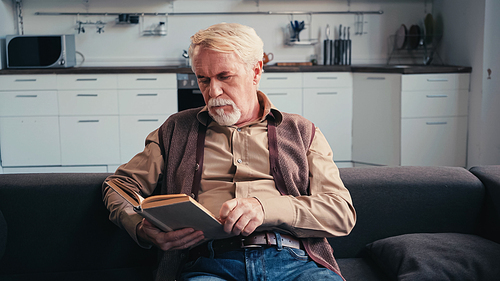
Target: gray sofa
(414,223)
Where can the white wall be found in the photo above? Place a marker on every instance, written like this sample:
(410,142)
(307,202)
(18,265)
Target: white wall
(125,44)
(468,41)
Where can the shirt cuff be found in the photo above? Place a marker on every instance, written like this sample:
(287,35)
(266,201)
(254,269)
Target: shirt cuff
(277,211)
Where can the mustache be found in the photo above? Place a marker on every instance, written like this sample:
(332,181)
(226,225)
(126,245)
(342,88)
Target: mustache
(220,102)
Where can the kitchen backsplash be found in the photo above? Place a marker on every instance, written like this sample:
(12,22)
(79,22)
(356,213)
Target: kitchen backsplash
(105,41)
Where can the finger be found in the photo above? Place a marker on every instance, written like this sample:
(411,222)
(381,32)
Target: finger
(189,241)
(177,242)
(227,208)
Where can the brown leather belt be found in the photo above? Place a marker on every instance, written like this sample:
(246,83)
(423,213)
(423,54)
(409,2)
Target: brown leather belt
(259,239)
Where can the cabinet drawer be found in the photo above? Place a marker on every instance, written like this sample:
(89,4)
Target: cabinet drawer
(88,81)
(28,103)
(27,82)
(147,101)
(133,133)
(147,81)
(98,102)
(286,100)
(434,82)
(327,79)
(30,141)
(434,141)
(434,104)
(281,80)
(90,140)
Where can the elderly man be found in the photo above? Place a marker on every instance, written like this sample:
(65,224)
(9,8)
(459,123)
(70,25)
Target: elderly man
(269,176)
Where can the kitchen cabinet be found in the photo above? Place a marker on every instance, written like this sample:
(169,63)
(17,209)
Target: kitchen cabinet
(414,119)
(80,122)
(327,102)
(88,112)
(145,102)
(284,90)
(29,125)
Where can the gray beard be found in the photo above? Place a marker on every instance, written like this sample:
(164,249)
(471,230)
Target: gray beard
(220,116)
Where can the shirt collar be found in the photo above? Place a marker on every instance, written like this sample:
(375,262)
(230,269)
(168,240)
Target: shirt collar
(265,103)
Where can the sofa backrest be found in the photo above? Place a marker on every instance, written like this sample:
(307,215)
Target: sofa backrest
(58,229)
(391,201)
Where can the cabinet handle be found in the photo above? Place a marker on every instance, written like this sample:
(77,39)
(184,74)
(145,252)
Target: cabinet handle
(86,95)
(25,80)
(333,78)
(147,120)
(146,79)
(375,78)
(437,80)
(196,92)
(88,121)
(277,78)
(26,96)
(327,93)
(147,95)
(276,94)
(437,96)
(86,79)
(436,123)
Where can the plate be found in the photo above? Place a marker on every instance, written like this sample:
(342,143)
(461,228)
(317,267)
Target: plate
(414,37)
(401,37)
(429,29)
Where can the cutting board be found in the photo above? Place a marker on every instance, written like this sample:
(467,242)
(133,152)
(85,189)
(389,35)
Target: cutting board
(293,63)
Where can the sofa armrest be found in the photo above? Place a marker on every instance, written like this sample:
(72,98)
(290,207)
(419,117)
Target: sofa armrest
(490,217)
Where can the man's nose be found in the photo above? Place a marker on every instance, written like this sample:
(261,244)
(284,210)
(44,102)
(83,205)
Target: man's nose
(215,88)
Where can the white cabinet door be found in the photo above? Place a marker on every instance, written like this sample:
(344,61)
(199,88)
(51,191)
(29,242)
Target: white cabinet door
(331,111)
(280,80)
(90,140)
(86,81)
(30,141)
(133,132)
(434,103)
(82,102)
(376,118)
(434,141)
(28,82)
(147,81)
(286,99)
(28,103)
(147,101)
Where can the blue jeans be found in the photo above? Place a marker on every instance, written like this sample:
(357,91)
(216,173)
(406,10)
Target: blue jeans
(257,264)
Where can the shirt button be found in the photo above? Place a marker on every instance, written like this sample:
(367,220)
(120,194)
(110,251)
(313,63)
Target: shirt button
(239,161)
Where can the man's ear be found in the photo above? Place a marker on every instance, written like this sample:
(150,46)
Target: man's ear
(257,72)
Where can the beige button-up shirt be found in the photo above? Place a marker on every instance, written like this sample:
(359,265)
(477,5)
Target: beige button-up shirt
(236,165)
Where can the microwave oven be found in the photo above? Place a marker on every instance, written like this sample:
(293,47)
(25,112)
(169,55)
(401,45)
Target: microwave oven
(40,51)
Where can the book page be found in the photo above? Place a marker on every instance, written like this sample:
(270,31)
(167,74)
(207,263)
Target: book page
(132,197)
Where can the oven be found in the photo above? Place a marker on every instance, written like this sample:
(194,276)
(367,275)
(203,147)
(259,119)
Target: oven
(188,93)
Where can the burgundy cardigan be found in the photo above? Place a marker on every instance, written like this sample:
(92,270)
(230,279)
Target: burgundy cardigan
(182,139)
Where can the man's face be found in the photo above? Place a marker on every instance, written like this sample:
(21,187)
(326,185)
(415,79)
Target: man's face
(228,86)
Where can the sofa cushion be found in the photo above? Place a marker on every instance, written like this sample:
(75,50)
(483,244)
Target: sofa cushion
(360,269)
(392,201)
(437,256)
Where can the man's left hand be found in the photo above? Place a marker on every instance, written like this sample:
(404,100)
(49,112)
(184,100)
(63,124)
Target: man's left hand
(241,215)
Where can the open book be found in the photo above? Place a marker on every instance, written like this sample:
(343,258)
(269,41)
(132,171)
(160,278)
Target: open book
(172,212)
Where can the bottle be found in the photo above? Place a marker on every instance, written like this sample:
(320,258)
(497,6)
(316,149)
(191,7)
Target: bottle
(161,29)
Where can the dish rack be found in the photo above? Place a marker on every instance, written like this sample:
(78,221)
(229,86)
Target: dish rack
(416,49)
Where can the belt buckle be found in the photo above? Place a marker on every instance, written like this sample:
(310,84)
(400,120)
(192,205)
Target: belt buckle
(249,246)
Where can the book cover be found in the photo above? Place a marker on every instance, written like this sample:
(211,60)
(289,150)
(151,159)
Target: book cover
(172,212)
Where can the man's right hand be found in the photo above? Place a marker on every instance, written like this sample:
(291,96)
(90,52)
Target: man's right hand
(173,240)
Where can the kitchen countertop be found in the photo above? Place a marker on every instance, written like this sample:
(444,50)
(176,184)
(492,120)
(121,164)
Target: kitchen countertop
(401,69)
